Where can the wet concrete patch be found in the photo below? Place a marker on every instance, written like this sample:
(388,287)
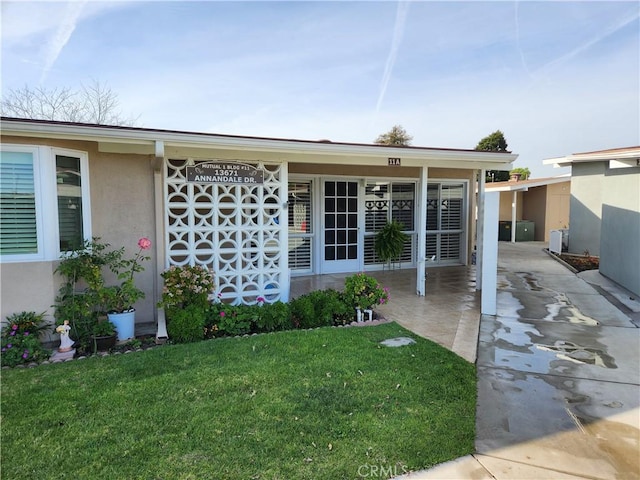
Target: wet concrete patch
(591,422)
(530,281)
(565,349)
(579,354)
(540,281)
(560,307)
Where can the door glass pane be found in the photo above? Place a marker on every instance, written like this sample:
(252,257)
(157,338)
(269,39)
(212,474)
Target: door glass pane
(300,207)
(300,225)
(403,203)
(445,221)
(433,217)
(376,206)
(330,253)
(329,237)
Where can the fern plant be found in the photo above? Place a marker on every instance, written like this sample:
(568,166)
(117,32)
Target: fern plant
(389,242)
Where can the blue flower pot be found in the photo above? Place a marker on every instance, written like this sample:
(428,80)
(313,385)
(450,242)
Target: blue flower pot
(125,324)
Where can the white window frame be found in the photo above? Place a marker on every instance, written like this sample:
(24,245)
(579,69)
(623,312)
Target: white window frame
(46,200)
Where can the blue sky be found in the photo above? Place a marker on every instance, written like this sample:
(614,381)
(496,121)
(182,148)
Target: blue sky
(555,77)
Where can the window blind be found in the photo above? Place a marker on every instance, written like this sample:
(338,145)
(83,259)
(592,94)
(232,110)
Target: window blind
(18,232)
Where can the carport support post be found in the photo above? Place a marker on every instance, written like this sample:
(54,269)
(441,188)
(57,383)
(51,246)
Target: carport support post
(421,276)
(514,209)
(158,196)
(489,254)
(479,224)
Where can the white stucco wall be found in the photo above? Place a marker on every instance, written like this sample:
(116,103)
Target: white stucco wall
(587,184)
(620,233)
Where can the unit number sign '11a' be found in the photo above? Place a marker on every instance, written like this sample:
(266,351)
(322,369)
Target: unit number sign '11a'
(227,172)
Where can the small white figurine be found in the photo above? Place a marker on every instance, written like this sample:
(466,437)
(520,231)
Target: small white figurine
(66,342)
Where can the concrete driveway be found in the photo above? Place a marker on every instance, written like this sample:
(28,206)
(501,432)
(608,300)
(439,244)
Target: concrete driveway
(558,379)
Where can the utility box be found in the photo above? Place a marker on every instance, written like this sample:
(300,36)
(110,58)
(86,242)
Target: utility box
(504,231)
(555,241)
(525,231)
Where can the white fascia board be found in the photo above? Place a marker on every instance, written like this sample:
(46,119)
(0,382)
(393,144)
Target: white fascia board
(526,184)
(144,141)
(623,155)
(557,162)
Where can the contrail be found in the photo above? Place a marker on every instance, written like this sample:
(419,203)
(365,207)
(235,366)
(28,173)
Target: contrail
(398,31)
(522,59)
(576,51)
(62,35)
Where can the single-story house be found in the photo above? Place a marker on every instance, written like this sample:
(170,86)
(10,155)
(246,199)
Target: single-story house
(542,202)
(256,211)
(605,210)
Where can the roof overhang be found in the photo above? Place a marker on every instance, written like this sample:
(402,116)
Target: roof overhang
(524,185)
(618,157)
(115,139)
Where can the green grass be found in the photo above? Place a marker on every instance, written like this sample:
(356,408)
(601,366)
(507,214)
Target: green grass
(328,403)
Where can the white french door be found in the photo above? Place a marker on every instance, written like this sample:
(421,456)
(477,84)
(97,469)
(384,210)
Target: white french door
(341,242)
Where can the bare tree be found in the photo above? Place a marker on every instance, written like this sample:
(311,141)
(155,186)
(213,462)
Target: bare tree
(96,103)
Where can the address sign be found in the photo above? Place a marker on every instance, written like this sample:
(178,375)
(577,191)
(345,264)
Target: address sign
(225,172)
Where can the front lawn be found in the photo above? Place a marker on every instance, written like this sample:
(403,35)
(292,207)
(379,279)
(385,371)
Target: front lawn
(329,403)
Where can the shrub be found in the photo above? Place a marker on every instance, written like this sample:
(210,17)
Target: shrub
(273,316)
(226,319)
(187,325)
(184,286)
(361,290)
(320,308)
(20,339)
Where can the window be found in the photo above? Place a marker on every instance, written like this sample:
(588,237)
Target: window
(300,225)
(386,201)
(69,192)
(446,220)
(44,202)
(18,200)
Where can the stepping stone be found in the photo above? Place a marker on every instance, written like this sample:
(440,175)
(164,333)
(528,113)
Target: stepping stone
(398,342)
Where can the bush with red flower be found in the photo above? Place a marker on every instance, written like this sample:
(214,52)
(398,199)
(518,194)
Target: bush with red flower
(21,339)
(121,298)
(364,292)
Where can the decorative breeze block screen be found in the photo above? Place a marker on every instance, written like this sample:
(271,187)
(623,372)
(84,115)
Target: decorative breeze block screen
(232,230)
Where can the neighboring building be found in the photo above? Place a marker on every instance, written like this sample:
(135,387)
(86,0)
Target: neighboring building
(605,210)
(544,202)
(256,211)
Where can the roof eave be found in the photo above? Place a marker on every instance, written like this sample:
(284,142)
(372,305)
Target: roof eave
(148,138)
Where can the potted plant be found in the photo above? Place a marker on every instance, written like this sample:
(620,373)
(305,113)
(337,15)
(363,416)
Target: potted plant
(363,292)
(118,300)
(389,242)
(78,301)
(103,335)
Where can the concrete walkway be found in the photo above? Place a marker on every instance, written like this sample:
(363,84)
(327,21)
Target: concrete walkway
(449,314)
(558,377)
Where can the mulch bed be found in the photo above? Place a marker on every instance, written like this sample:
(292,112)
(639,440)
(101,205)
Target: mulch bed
(579,263)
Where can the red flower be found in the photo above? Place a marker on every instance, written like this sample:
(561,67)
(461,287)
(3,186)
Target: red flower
(144,243)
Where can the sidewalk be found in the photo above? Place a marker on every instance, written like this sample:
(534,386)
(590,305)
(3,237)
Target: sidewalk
(558,378)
